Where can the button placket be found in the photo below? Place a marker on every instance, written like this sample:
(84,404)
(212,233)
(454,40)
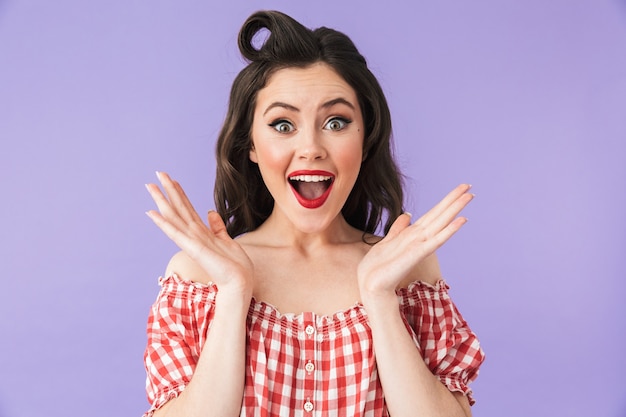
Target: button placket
(308,363)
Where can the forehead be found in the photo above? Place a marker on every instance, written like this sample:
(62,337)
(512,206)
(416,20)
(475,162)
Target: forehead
(305,84)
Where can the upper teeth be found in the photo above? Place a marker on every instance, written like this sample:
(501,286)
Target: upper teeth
(310,178)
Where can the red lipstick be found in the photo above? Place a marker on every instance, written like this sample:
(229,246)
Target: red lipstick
(311,176)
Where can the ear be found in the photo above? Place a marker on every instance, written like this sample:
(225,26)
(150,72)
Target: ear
(252,154)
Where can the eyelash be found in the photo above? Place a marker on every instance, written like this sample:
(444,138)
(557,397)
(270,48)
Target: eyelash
(279,122)
(345,122)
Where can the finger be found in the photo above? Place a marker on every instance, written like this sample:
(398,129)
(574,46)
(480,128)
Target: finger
(178,199)
(190,209)
(429,246)
(444,203)
(209,256)
(401,223)
(162,203)
(448,215)
(183,241)
(171,215)
(445,234)
(217,225)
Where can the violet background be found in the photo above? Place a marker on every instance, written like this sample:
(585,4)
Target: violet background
(524,99)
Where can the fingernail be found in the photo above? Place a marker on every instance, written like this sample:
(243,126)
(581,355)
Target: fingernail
(158,174)
(408,214)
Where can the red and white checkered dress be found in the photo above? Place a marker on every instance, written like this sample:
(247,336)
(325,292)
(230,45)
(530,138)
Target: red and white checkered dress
(305,365)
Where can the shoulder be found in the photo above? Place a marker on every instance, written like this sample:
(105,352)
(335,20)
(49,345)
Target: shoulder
(186,268)
(427,271)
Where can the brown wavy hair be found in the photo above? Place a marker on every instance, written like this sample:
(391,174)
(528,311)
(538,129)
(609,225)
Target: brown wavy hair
(240,194)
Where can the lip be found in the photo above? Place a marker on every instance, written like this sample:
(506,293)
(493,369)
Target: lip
(319,201)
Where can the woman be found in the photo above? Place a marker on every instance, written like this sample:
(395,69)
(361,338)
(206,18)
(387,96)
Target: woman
(288,303)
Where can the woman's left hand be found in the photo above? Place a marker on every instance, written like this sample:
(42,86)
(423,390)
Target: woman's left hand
(398,254)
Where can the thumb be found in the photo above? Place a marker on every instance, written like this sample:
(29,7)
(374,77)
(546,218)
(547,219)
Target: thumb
(401,223)
(216,224)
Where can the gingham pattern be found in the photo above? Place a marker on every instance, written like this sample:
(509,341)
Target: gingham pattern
(305,365)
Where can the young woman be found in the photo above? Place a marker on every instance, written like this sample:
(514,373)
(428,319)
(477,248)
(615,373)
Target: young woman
(287,303)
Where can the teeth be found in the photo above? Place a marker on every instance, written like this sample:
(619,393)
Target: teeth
(310,178)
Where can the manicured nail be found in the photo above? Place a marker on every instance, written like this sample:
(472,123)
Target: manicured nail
(408,214)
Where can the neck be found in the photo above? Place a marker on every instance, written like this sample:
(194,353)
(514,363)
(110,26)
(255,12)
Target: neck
(279,231)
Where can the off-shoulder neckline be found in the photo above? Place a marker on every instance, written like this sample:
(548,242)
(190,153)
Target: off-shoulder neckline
(261,305)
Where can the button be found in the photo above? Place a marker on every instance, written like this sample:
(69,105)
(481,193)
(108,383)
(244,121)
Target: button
(309,367)
(308,406)
(309,330)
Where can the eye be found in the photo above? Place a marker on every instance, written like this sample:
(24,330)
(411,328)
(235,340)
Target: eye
(282,126)
(337,123)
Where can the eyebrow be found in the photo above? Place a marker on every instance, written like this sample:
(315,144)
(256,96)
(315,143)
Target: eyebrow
(327,104)
(280,104)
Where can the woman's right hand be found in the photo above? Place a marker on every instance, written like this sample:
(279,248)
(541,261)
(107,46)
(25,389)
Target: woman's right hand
(223,259)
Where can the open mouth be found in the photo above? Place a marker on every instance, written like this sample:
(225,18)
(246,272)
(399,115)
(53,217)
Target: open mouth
(311,190)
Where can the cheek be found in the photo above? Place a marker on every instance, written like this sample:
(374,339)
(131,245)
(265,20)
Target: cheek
(350,158)
(271,158)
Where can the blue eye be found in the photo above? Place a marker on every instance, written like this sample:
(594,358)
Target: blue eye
(337,123)
(282,126)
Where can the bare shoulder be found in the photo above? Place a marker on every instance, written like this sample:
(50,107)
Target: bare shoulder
(427,270)
(464,402)
(186,268)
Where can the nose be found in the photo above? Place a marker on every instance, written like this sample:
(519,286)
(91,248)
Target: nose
(310,146)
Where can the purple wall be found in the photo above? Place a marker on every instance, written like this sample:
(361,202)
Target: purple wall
(525,100)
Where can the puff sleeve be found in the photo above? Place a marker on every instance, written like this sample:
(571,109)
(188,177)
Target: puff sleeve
(177,327)
(449,347)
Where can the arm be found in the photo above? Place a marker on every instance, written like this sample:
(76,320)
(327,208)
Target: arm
(216,387)
(209,254)
(409,385)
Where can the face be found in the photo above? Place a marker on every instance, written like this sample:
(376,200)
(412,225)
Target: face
(307,136)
